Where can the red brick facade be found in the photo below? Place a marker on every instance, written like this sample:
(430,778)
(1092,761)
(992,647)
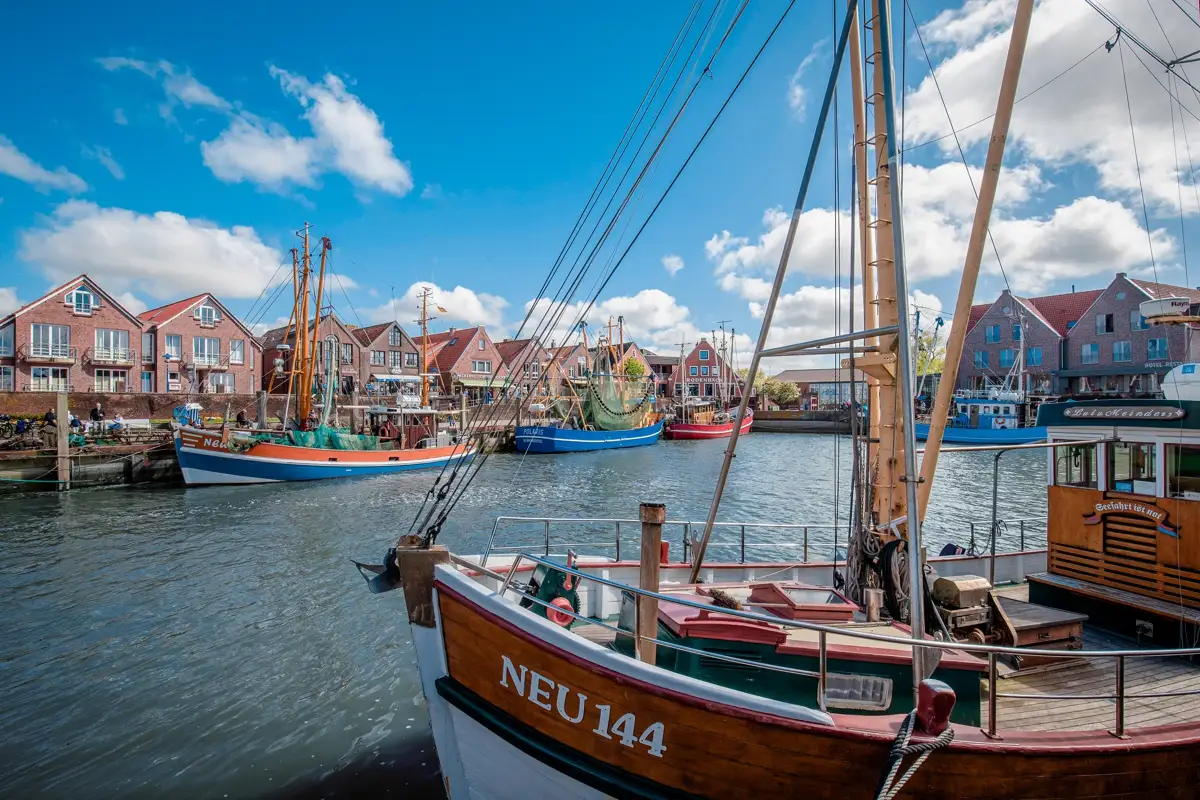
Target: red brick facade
(705,373)
(75,338)
(466,361)
(277,363)
(388,350)
(197,346)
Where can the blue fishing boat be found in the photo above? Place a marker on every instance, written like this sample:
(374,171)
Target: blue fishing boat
(988,417)
(555,439)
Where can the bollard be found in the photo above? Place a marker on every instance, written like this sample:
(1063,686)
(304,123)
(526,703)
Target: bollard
(652,515)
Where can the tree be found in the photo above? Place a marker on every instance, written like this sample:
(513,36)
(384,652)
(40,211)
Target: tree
(633,368)
(760,378)
(781,393)
(931,353)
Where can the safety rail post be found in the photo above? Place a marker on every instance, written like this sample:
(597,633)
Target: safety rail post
(822,658)
(652,515)
(743,544)
(1022,523)
(805,544)
(547,553)
(1119,730)
(618,556)
(512,571)
(991,726)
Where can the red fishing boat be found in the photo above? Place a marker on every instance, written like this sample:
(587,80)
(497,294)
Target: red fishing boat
(718,428)
(709,389)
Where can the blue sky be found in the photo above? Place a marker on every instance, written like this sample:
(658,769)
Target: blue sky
(169,150)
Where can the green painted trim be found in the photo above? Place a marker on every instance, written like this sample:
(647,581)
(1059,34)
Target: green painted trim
(1053,414)
(554,754)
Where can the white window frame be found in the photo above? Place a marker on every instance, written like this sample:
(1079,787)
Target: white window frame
(148,381)
(148,348)
(396,359)
(482,366)
(222,379)
(347,353)
(57,379)
(7,379)
(107,380)
(175,353)
(53,347)
(75,295)
(8,337)
(1084,350)
(207,314)
(109,347)
(412,360)
(237,351)
(1029,357)
(202,351)
(395,337)
(1128,352)
(379,358)
(174,384)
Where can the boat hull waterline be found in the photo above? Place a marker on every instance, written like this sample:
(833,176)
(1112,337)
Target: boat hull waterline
(204,461)
(1003,436)
(547,439)
(709,430)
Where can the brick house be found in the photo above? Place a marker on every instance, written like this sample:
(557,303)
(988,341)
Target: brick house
(197,345)
(567,364)
(612,356)
(704,374)
(663,368)
(279,349)
(824,388)
(995,331)
(525,359)
(466,360)
(1113,350)
(76,337)
(389,355)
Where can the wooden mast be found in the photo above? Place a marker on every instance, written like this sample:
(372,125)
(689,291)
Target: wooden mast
(979,230)
(300,363)
(425,346)
(304,401)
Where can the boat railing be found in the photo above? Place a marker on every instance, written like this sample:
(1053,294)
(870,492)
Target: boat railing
(1119,697)
(797,537)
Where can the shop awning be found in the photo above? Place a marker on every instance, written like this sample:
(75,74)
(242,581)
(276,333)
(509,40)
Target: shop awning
(398,378)
(498,383)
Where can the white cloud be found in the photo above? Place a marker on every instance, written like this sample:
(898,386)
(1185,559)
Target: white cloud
(812,250)
(179,86)
(672,264)
(105,157)
(133,304)
(164,255)
(261,152)
(796,95)
(432,191)
(463,306)
(119,117)
(20,166)
(971,22)
(8,300)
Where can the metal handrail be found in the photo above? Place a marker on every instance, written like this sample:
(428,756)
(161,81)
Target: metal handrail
(992,651)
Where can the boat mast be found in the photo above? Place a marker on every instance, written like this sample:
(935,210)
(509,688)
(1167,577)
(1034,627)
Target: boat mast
(304,401)
(426,293)
(979,229)
(300,363)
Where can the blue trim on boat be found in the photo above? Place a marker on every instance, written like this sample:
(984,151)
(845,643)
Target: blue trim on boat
(986,435)
(201,468)
(548,439)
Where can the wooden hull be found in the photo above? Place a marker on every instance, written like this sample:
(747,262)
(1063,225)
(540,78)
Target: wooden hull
(579,720)
(205,461)
(548,439)
(711,430)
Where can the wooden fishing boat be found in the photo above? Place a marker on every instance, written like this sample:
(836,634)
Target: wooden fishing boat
(706,430)
(556,439)
(697,417)
(561,675)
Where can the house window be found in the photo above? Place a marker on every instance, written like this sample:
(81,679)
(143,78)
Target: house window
(1122,352)
(481,366)
(1104,323)
(221,382)
(173,347)
(6,341)
(704,370)
(112,345)
(49,379)
(708,390)
(395,337)
(1070,324)
(378,358)
(992,334)
(206,351)
(1089,353)
(111,380)
(6,379)
(172,381)
(147,348)
(1076,466)
(1136,321)
(82,301)
(536,369)
(1033,357)
(693,371)
(410,360)
(347,354)
(1017,332)
(1131,467)
(50,341)
(1120,295)
(981,359)
(397,358)
(237,351)
(1156,349)
(571,372)
(704,355)
(207,315)
(482,344)
(1006,357)
(147,381)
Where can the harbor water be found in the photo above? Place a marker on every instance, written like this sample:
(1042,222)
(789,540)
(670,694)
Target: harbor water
(217,642)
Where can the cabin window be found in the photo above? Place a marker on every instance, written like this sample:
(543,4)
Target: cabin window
(1089,353)
(1104,323)
(1033,357)
(1006,357)
(1131,467)
(1122,352)
(981,359)
(992,334)
(1183,471)
(1156,349)
(1076,466)
(1136,321)
(1016,332)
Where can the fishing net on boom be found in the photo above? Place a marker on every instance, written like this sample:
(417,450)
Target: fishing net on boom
(329,438)
(618,403)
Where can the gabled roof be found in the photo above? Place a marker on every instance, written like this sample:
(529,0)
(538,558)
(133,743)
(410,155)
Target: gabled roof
(977,312)
(1059,309)
(511,349)
(164,314)
(366,336)
(452,344)
(655,360)
(71,284)
(276,336)
(1158,291)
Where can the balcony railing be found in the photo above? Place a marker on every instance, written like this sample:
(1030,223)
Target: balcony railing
(47,353)
(110,355)
(207,360)
(47,386)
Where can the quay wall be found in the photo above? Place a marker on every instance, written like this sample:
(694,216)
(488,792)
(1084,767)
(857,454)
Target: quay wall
(796,421)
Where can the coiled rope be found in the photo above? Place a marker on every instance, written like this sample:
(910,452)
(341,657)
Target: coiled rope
(902,748)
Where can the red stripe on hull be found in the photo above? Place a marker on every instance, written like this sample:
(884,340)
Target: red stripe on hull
(697,430)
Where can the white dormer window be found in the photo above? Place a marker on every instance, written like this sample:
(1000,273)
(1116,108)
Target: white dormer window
(207,314)
(82,301)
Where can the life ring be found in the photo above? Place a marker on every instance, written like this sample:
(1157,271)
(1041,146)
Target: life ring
(559,617)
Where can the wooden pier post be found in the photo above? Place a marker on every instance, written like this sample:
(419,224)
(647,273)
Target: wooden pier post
(62,429)
(416,565)
(261,412)
(652,515)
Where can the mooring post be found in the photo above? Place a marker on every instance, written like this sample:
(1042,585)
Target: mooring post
(62,429)
(261,414)
(416,564)
(652,515)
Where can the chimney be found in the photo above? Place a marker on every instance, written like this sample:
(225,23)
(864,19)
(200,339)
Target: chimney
(1072,288)
(452,330)
(1120,274)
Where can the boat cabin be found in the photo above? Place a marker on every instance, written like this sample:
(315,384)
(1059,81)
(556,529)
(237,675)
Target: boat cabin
(987,410)
(1123,514)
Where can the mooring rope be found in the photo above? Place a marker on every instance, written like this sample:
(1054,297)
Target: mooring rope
(901,748)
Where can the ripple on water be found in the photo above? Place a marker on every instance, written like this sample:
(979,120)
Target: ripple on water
(216,642)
